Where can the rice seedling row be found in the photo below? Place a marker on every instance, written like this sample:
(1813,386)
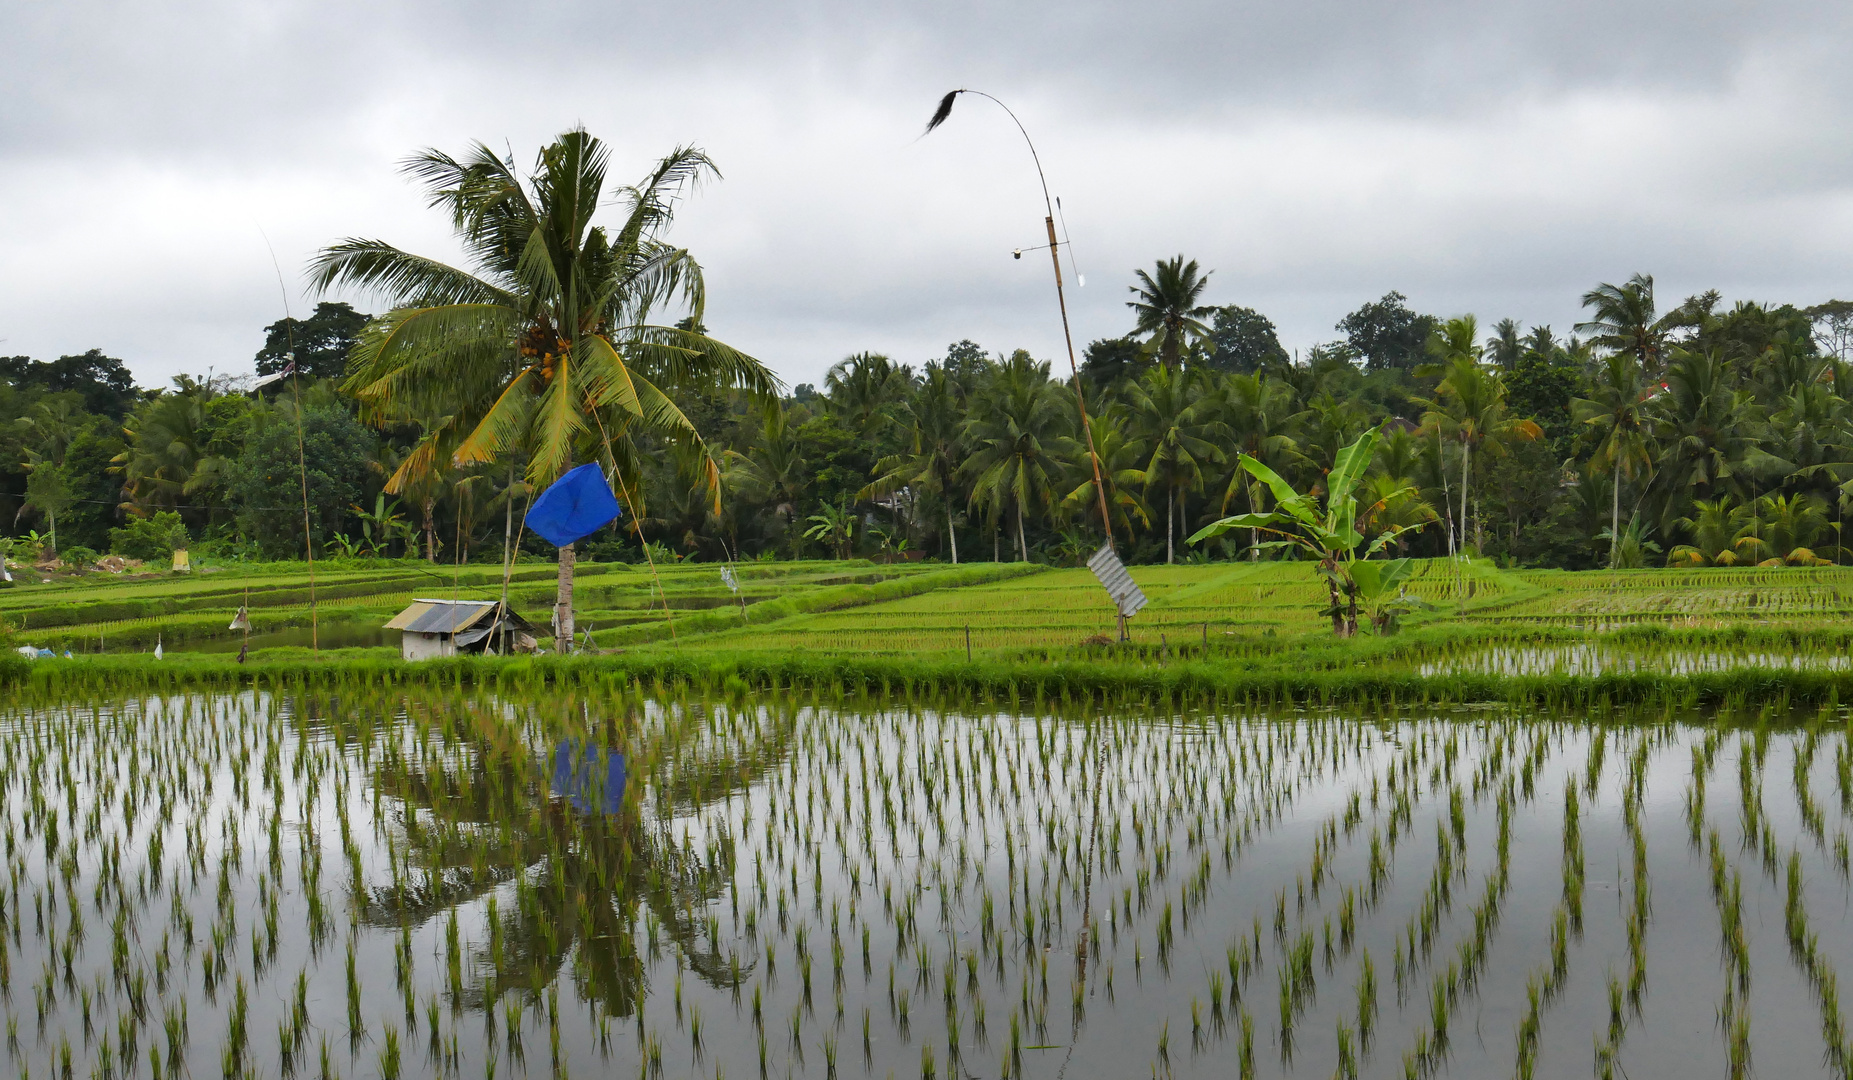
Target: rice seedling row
(423,883)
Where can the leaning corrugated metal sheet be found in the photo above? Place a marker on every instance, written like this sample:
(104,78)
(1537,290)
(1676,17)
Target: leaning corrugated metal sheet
(1126,594)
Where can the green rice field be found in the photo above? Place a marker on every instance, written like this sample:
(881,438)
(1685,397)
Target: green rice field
(543,881)
(905,609)
(1561,825)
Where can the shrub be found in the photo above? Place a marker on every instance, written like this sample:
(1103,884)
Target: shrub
(149,539)
(79,558)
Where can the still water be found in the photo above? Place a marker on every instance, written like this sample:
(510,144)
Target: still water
(434,884)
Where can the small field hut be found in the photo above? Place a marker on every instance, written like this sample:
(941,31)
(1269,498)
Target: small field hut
(450,627)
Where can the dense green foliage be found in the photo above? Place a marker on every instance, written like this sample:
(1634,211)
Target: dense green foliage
(1696,436)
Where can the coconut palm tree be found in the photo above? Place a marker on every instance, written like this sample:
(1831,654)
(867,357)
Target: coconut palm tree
(1470,405)
(1259,409)
(1018,437)
(1175,421)
(1623,320)
(1714,526)
(773,472)
(930,464)
(1167,307)
(1120,460)
(865,390)
(1390,496)
(545,344)
(1505,347)
(1705,428)
(170,460)
(1617,413)
(1783,529)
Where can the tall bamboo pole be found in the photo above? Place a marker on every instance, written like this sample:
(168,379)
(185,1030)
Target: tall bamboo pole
(1061,298)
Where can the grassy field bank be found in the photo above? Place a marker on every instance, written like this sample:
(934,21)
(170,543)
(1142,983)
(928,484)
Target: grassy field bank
(1231,631)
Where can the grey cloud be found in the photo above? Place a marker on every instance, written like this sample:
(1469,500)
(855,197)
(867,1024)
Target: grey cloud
(1497,158)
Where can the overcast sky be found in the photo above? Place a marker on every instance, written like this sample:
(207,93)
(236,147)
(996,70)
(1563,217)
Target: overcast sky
(1494,158)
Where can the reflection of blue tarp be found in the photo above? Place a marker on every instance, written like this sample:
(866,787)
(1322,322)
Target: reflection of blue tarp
(578,504)
(590,777)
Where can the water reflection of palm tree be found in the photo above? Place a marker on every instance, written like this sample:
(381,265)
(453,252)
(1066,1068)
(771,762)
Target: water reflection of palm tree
(580,879)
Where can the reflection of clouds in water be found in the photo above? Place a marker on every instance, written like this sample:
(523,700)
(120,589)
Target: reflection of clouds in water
(786,877)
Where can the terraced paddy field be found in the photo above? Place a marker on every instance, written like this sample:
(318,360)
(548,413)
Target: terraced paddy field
(529,881)
(1481,620)
(1059,608)
(104,613)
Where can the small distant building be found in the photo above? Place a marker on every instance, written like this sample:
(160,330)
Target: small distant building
(431,628)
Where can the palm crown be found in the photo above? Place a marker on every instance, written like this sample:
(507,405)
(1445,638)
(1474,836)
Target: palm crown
(547,339)
(546,348)
(1167,306)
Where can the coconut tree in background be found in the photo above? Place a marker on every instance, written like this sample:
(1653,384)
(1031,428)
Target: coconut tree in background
(545,343)
(773,473)
(1470,405)
(1166,303)
(1259,409)
(1175,421)
(1617,412)
(1018,440)
(1623,319)
(1120,459)
(930,464)
(1705,430)
(865,391)
(1714,526)
(1784,529)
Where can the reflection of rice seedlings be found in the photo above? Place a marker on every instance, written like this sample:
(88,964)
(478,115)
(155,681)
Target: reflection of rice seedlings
(1347,1055)
(1573,856)
(1738,1043)
(1245,1049)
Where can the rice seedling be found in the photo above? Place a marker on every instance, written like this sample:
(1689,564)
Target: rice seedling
(955,847)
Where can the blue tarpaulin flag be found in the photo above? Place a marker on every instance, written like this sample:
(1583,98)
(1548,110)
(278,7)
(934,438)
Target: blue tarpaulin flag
(590,777)
(577,505)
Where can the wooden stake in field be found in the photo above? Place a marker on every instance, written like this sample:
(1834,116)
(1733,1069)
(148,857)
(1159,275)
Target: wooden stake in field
(302,459)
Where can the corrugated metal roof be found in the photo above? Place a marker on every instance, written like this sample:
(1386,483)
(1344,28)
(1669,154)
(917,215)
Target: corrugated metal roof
(440,616)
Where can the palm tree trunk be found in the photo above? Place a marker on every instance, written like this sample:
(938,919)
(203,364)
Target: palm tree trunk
(431,544)
(1614,516)
(1447,499)
(1466,456)
(952,535)
(1022,546)
(563,604)
(1170,530)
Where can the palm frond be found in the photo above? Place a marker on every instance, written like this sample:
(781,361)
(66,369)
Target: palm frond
(399,277)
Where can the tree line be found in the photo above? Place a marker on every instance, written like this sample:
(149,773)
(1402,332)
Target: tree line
(1689,434)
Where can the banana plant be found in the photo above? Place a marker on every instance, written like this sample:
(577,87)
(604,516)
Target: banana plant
(1381,594)
(1324,529)
(343,546)
(381,526)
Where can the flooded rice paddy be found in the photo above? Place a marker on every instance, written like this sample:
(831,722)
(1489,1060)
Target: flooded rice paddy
(1602,659)
(365,885)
